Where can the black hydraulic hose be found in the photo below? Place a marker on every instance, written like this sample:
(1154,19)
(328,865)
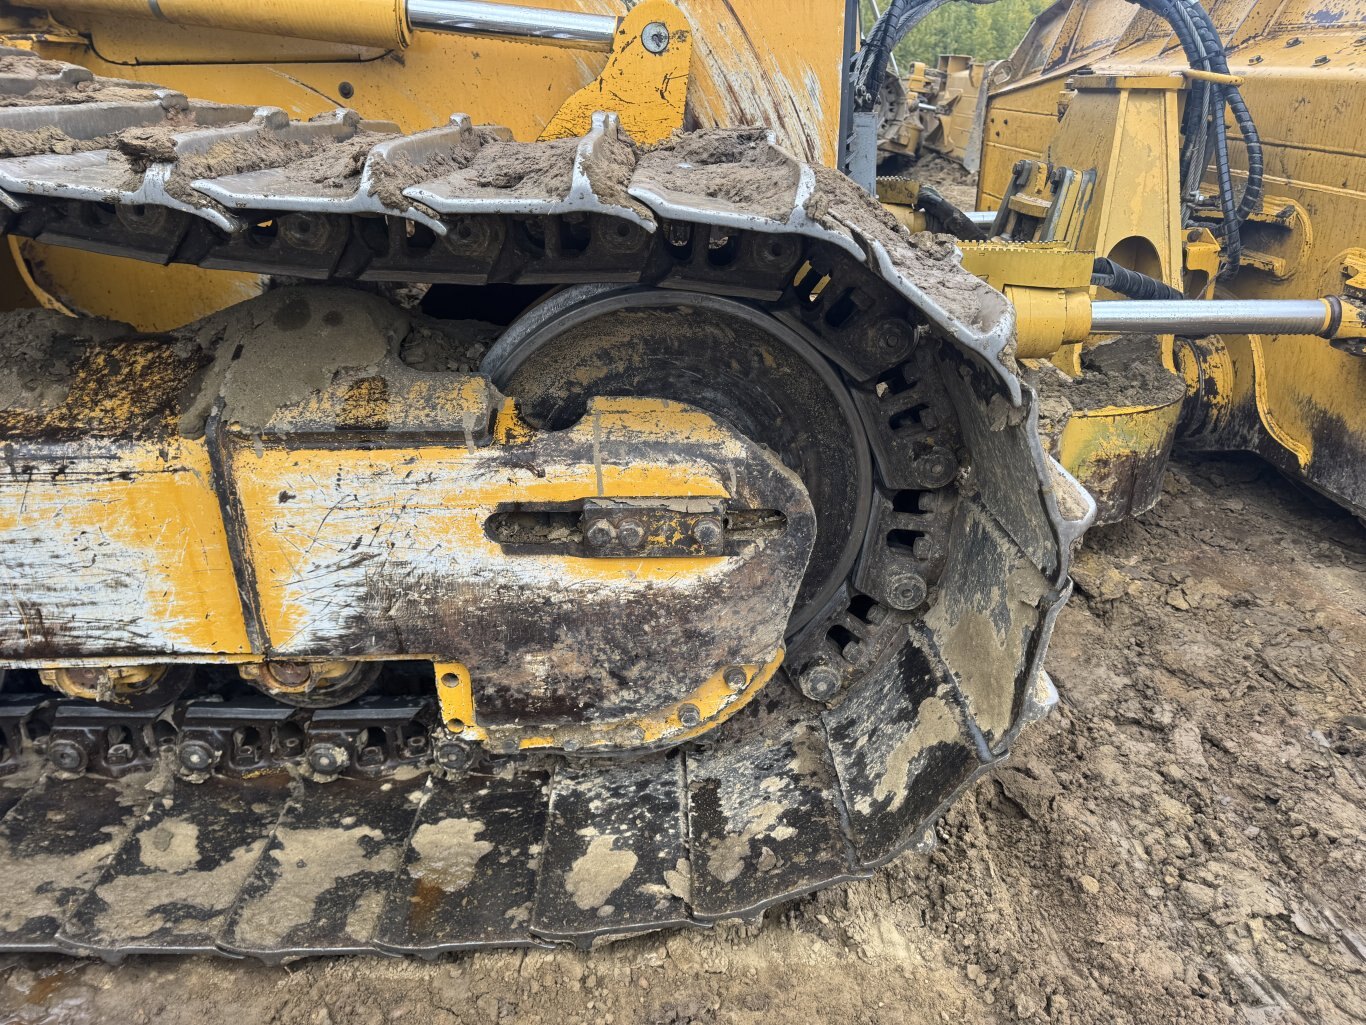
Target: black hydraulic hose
(870,64)
(1205,51)
(1130,283)
(952,219)
(1256,164)
(1256,161)
(1232,238)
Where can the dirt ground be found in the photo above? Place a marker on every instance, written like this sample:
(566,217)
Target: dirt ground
(1183,840)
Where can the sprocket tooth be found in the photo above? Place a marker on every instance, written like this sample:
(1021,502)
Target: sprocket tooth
(170,885)
(320,886)
(615,858)
(54,843)
(469,871)
(764,815)
(901,747)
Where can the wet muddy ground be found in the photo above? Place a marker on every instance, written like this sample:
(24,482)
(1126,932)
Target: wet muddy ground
(1181,841)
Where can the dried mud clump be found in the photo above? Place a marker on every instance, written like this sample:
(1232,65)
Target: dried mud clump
(39,350)
(1127,371)
(736,166)
(390,177)
(526,168)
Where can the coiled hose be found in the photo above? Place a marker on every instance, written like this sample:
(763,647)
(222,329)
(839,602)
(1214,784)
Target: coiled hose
(1130,283)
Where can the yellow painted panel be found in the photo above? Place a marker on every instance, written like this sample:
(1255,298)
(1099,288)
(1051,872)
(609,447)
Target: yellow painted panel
(148,296)
(118,549)
(430,504)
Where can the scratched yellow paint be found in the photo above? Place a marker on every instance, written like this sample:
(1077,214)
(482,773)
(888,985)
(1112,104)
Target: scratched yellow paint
(459,491)
(455,694)
(648,90)
(1102,434)
(428,402)
(713,699)
(150,513)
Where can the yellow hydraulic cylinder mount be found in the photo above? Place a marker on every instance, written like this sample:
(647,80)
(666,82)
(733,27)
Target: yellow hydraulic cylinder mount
(379,23)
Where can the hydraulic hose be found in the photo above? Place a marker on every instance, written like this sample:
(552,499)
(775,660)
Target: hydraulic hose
(1199,39)
(952,219)
(1130,283)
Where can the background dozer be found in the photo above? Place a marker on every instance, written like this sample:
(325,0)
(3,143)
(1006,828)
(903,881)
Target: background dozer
(487,476)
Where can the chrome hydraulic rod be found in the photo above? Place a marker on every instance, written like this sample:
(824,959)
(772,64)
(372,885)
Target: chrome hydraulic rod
(1197,317)
(383,24)
(507,21)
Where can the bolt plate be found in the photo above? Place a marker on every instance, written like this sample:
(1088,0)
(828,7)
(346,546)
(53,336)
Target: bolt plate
(669,527)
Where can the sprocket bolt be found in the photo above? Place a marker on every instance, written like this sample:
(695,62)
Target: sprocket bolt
(906,592)
(195,755)
(735,678)
(326,759)
(67,755)
(820,683)
(689,716)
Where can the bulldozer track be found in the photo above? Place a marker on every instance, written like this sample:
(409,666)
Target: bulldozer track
(115,845)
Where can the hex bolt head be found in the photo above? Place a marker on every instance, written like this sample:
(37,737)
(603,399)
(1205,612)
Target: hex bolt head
(906,592)
(708,531)
(67,755)
(735,678)
(195,755)
(937,467)
(326,759)
(819,683)
(600,534)
(893,338)
(655,36)
(689,716)
(119,754)
(453,755)
(630,533)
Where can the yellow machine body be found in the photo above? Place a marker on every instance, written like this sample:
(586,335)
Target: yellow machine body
(1098,86)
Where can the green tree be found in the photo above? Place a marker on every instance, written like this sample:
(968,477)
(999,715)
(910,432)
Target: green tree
(988,31)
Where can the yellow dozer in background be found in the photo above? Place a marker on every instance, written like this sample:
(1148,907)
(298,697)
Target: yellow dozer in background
(484,475)
(932,110)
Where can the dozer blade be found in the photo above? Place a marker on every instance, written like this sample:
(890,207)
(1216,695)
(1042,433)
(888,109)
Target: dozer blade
(732,562)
